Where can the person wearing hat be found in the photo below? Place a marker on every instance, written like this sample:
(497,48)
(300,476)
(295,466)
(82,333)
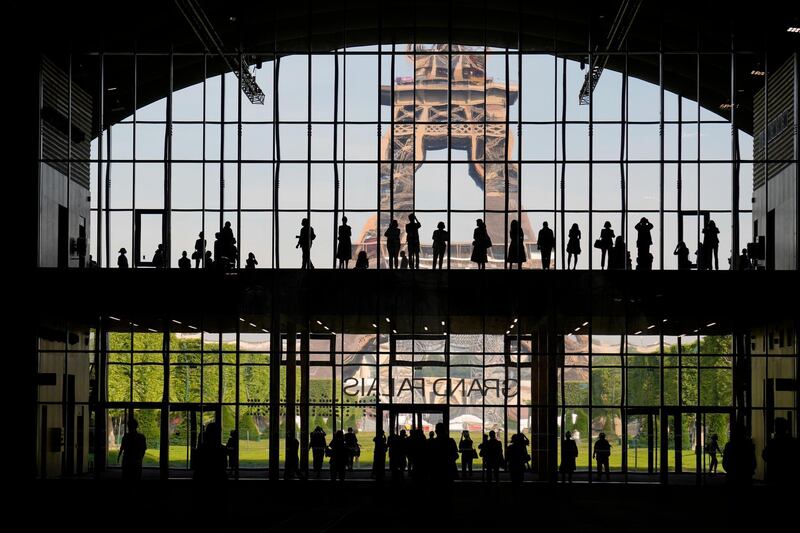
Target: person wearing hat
(122,260)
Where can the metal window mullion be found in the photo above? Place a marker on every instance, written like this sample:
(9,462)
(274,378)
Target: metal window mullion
(661,157)
(134,247)
(237,259)
(100,213)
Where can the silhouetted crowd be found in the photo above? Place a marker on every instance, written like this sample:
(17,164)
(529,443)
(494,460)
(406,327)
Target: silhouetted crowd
(614,254)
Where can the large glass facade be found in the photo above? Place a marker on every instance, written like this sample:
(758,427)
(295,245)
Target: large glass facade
(451,134)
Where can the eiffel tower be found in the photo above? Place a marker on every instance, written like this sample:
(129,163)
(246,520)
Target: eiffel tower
(477,125)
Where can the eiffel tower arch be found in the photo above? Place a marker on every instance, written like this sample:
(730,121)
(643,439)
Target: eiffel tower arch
(478,112)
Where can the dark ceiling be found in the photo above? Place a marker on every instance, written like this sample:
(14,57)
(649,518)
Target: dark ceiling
(566,28)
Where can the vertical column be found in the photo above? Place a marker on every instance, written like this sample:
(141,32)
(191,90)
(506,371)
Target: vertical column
(545,444)
(291,384)
(305,342)
(274,396)
(99,399)
(163,456)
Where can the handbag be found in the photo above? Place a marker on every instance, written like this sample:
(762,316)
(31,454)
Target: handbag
(598,244)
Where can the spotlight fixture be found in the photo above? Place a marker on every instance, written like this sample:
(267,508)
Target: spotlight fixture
(711,325)
(651,326)
(793,29)
(515,320)
(387,319)
(585,324)
(374,325)
(191,327)
(318,322)
(252,325)
(638,332)
(426,328)
(443,322)
(265,331)
(756,72)
(113,318)
(177,322)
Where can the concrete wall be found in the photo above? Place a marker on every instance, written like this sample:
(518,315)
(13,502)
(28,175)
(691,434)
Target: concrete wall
(783,199)
(52,187)
(54,398)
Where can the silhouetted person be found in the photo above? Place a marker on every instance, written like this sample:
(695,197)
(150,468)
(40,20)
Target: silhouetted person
(431,435)
(743,262)
(292,464)
(338,456)
(545,242)
(362,261)
(317,444)
(209,262)
(573,245)
(304,242)
(397,454)
(569,453)
(220,261)
(606,242)
(782,456)
(379,455)
(353,449)
(251,262)
(644,239)
(403,260)
(644,262)
(516,248)
(701,257)
(468,453)
(159,261)
(122,260)
(628,262)
(80,246)
(232,447)
(739,457)
(682,251)
(440,239)
(616,255)
(92,262)
(711,244)
(344,250)
(199,250)
(443,454)
(516,457)
(492,453)
(712,449)
(184,263)
(480,244)
(392,235)
(601,453)
(132,450)
(412,240)
(417,444)
(228,244)
(211,457)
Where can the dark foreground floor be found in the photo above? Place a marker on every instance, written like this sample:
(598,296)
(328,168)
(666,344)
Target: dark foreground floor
(321,506)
